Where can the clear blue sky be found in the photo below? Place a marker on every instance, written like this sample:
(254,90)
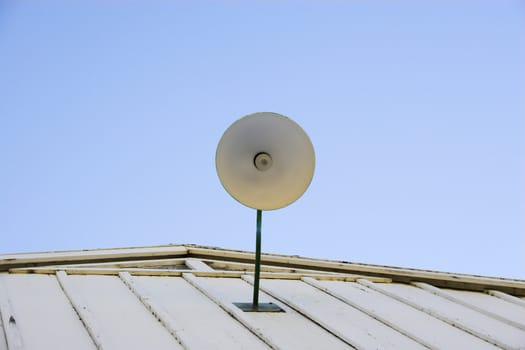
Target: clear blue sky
(110,114)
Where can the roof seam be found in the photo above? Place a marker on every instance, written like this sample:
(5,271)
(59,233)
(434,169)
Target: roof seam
(80,307)
(198,265)
(455,323)
(12,333)
(230,310)
(292,305)
(370,313)
(443,294)
(507,297)
(160,314)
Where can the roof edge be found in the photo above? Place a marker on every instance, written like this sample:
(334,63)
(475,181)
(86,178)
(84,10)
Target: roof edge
(397,274)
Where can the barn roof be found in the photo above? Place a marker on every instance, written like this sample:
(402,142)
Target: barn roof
(181,296)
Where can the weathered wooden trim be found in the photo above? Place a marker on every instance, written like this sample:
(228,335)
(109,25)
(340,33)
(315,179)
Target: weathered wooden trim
(231,310)
(8,318)
(217,274)
(82,310)
(127,264)
(100,271)
(72,271)
(448,296)
(401,275)
(371,313)
(9,261)
(177,273)
(238,266)
(164,318)
(350,278)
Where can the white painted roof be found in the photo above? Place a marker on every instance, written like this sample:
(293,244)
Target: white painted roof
(181,297)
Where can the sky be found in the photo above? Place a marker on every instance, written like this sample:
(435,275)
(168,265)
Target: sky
(111,112)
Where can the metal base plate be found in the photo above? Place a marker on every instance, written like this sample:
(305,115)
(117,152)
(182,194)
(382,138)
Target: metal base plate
(262,307)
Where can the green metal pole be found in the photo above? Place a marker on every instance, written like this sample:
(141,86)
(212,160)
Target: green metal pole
(255,304)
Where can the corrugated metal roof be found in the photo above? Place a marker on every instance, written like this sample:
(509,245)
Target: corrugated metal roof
(181,297)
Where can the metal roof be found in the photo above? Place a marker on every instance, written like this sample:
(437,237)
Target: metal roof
(181,297)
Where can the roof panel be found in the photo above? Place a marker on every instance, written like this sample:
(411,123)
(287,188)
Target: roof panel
(3,342)
(124,321)
(508,298)
(284,330)
(37,300)
(418,325)
(503,309)
(141,298)
(358,328)
(197,315)
(461,316)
